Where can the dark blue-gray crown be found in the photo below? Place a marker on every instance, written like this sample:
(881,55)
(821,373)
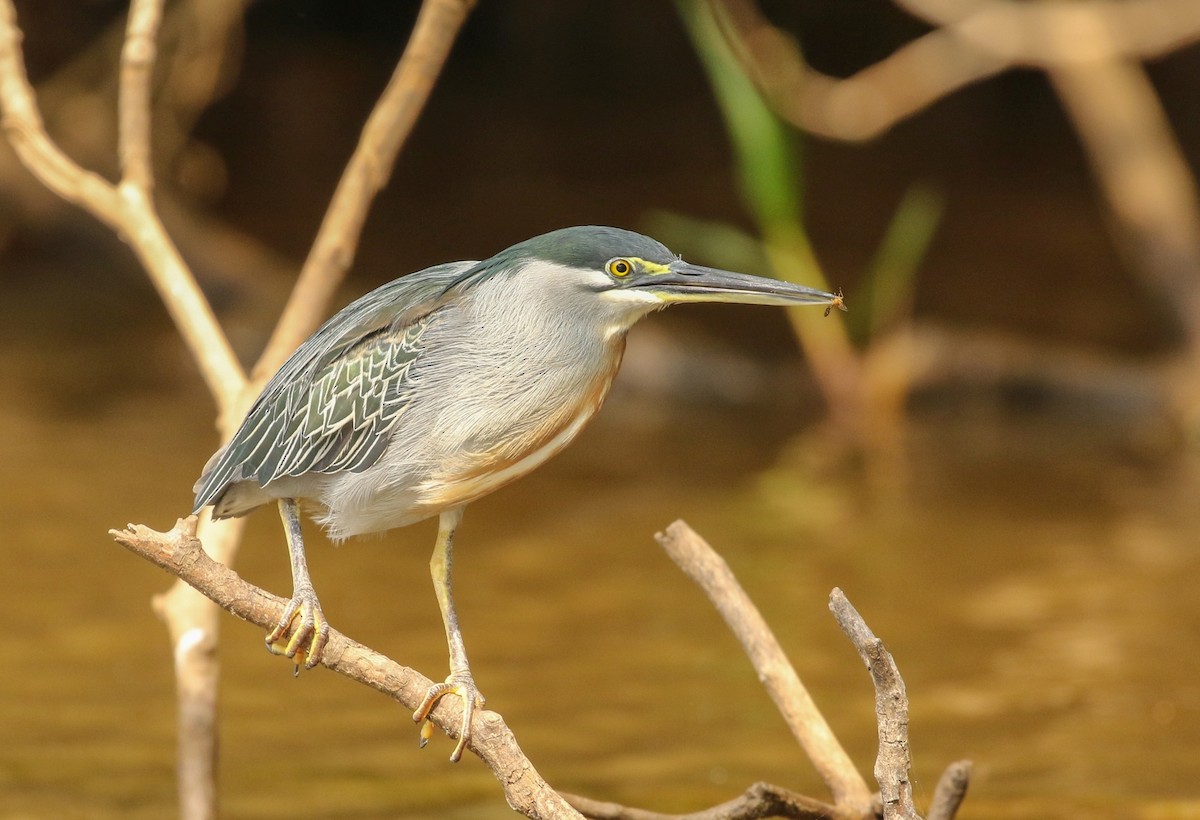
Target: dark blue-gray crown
(587,246)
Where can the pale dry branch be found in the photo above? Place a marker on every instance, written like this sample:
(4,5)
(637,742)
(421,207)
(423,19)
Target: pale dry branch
(704,566)
(180,553)
(710,572)
(970,42)
(197,40)
(385,132)
(128,210)
(891,711)
(761,800)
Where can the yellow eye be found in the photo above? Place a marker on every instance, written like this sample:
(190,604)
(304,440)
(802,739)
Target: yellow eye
(620,267)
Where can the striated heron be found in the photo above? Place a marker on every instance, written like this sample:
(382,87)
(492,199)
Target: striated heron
(443,386)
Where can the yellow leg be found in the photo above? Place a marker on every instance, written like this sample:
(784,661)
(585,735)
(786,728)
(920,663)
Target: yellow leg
(459,682)
(312,632)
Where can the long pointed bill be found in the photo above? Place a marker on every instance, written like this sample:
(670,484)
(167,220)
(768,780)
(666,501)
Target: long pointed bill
(682,282)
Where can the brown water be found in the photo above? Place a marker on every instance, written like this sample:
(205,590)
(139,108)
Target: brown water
(1034,576)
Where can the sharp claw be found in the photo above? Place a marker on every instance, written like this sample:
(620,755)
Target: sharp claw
(281,628)
(310,635)
(316,649)
(459,684)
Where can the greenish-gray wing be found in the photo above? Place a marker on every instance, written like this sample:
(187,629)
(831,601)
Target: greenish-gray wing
(332,405)
(341,421)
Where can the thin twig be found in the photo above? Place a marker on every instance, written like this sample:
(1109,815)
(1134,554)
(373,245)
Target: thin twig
(950,791)
(193,626)
(367,172)
(180,553)
(891,711)
(704,566)
(761,800)
(129,213)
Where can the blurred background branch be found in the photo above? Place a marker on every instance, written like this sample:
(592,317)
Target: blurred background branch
(972,40)
(1009,210)
(128,208)
(1091,52)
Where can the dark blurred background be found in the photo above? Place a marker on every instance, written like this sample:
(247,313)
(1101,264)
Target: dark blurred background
(1030,556)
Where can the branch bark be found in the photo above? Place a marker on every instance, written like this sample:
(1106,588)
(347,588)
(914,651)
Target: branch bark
(891,711)
(864,105)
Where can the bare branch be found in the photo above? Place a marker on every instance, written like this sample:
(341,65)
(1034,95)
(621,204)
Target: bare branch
(193,626)
(180,553)
(891,711)
(367,172)
(128,211)
(759,801)
(704,566)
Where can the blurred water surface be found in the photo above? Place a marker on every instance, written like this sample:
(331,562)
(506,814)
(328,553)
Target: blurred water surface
(1034,574)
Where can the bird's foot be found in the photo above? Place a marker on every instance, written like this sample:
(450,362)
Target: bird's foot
(308,639)
(458,683)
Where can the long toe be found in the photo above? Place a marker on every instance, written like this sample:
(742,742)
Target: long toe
(308,636)
(458,683)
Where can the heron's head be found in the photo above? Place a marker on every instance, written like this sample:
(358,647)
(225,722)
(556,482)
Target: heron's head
(635,274)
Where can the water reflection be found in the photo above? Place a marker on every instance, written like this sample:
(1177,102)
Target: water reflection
(1033,578)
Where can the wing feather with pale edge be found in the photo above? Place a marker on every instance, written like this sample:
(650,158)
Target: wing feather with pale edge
(333,403)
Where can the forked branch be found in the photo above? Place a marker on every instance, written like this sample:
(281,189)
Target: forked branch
(891,711)
(179,552)
(703,565)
